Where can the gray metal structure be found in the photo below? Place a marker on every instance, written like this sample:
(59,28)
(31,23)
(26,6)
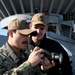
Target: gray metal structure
(11,7)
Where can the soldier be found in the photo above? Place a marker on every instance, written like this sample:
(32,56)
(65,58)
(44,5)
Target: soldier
(14,59)
(39,23)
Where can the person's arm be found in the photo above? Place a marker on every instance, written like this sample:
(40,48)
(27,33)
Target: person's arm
(66,65)
(28,70)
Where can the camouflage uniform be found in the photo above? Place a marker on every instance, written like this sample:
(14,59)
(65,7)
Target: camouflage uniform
(9,64)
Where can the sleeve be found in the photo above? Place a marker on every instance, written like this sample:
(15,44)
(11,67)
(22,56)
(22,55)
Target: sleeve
(23,69)
(26,69)
(66,67)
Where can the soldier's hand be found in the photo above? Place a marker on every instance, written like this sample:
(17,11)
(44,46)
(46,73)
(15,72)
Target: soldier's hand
(46,64)
(36,57)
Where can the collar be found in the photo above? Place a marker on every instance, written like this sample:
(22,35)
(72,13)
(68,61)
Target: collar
(11,53)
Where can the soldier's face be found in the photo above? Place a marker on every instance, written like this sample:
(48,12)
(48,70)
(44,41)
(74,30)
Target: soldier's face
(19,41)
(41,30)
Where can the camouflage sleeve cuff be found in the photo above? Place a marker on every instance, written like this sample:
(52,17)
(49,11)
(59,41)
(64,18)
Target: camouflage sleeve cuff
(24,68)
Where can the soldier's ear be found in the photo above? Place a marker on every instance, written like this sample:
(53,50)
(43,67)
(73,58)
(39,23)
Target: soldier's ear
(10,32)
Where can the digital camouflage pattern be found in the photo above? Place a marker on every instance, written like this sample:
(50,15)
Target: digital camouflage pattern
(9,66)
